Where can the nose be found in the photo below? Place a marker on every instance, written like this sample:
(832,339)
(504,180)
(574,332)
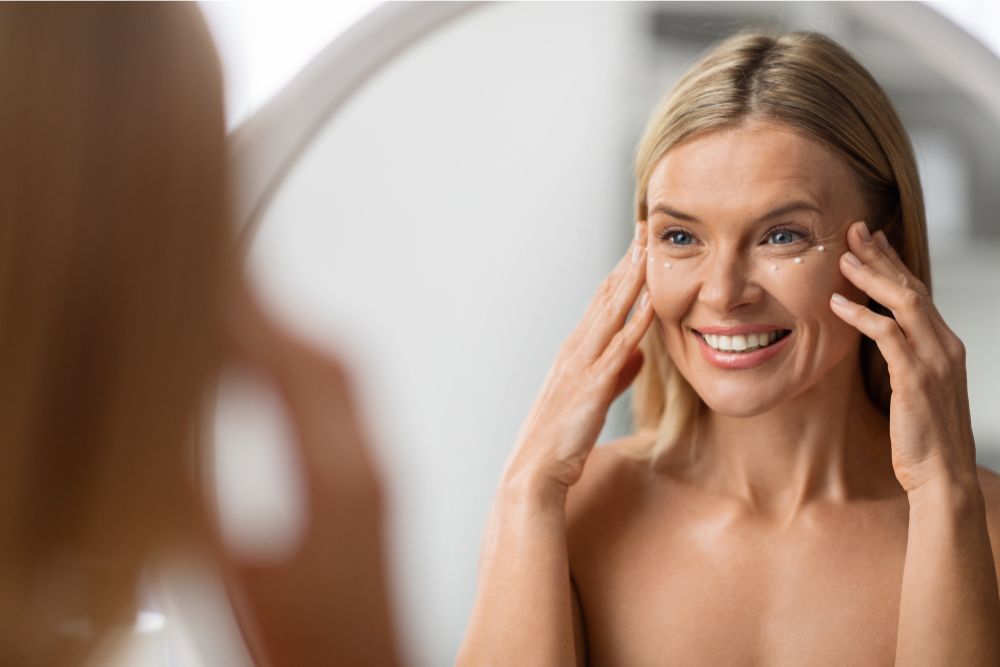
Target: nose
(727,283)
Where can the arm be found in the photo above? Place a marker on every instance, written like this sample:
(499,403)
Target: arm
(950,608)
(526,612)
(523,608)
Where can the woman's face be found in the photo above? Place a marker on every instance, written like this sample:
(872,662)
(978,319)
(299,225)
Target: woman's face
(746,227)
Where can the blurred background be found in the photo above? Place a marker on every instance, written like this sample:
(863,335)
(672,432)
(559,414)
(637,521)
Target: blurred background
(442,218)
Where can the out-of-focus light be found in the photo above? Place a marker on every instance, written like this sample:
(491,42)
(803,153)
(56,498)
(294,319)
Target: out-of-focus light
(979,19)
(263,45)
(150,621)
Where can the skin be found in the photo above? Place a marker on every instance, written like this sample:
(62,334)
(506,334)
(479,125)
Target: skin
(782,413)
(802,526)
(328,602)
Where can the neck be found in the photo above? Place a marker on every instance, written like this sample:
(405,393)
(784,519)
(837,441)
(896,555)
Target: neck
(827,444)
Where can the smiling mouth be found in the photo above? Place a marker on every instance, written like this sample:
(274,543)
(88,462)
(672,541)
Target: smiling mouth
(742,343)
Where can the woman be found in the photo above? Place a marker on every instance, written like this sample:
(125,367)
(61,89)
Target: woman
(801,485)
(120,298)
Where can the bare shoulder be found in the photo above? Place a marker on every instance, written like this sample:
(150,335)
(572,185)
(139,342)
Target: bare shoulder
(989,482)
(610,488)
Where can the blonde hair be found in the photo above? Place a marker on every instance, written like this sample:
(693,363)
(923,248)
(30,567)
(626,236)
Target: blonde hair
(113,255)
(811,84)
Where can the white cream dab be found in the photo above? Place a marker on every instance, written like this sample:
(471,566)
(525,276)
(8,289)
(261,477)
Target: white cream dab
(798,260)
(821,248)
(668,265)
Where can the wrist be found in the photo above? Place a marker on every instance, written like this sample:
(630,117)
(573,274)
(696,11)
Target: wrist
(532,489)
(950,495)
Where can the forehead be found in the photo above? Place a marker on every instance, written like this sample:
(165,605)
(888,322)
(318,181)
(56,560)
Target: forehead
(752,165)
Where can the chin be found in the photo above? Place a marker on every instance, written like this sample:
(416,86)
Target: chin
(738,401)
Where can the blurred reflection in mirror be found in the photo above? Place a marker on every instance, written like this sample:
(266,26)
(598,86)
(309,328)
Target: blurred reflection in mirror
(121,297)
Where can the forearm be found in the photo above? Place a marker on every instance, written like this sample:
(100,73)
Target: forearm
(949,611)
(522,614)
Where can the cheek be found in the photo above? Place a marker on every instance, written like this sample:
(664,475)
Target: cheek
(671,290)
(804,290)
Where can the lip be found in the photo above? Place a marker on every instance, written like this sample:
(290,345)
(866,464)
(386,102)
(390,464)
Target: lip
(741,329)
(741,360)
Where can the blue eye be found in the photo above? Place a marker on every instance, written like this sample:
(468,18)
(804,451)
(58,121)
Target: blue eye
(679,238)
(783,236)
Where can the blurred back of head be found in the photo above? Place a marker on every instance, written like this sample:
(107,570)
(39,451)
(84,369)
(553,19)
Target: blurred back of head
(113,256)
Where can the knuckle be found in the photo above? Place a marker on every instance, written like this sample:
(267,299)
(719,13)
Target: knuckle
(564,362)
(886,327)
(911,299)
(595,376)
(608,309)
(632,332)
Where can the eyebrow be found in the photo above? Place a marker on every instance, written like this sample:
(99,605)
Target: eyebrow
(796,205)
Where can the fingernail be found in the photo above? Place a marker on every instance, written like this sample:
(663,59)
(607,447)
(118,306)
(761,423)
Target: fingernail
(839,299)
(644,299)
(865,234)
(635,254)
(852,258)
(638,232)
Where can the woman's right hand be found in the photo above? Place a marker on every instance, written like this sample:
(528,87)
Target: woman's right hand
(595,364)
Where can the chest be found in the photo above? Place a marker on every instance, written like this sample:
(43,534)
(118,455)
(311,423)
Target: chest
(720,591)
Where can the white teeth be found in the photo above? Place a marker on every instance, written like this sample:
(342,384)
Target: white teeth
(740,343)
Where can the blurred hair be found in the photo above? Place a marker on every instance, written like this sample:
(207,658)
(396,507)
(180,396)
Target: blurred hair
(113,256)
(811,84)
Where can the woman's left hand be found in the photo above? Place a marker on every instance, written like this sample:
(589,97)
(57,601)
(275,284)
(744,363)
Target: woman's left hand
(929,422)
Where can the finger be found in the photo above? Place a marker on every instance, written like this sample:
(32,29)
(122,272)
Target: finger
(952,343)
(883,330)
(607,289)
(877,252)
(610,317)
(948,337)
(907,306)
(626,340)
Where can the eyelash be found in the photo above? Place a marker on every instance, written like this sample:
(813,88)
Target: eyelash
(667,233)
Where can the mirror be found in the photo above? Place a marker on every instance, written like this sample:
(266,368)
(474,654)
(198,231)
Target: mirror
(440,192)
